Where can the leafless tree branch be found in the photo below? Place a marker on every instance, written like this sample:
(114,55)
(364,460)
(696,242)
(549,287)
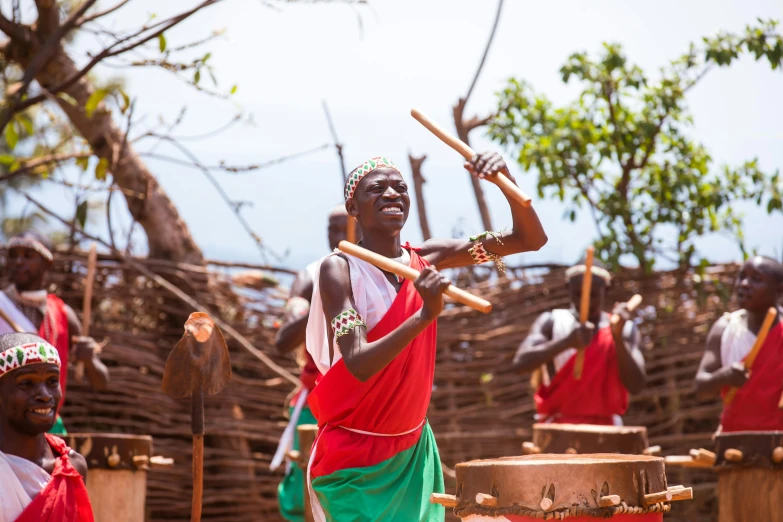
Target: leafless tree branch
(100,14)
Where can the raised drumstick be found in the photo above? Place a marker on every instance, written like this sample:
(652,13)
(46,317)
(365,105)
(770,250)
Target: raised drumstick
(469,154)
(92,260)
(772,313)
(632,304)
(15,327)
(384,263)
(584,308)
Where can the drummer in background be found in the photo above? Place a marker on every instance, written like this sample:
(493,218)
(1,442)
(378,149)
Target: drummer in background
(759,287)
(613,362)
(28,304)
(290,337)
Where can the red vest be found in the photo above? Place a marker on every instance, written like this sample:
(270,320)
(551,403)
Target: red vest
(54,330)
(64,499)
(755,406)
(593,399)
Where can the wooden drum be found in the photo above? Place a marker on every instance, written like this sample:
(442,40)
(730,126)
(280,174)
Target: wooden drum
(556,487)
(117,473)
(588,438)
(750,476)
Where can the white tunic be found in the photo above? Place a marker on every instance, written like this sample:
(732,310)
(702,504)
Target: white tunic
(373,295)
(20,482)
(737,340)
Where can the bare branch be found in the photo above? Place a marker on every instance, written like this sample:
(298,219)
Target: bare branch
(486,50)
(114,50)
(48,16)
(39,61)
(337,145)
(11,29)
(100,14)
(29,167)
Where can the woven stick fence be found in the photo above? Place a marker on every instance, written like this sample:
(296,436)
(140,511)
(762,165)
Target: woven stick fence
(480,408)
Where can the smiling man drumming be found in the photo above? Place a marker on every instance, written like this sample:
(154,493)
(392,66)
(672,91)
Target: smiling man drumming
(41,479)
(373,338)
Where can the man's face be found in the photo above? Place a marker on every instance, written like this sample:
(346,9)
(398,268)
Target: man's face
(756,287)
(338,229)
(26,268)
(597,293)
(381,201)
(29,397)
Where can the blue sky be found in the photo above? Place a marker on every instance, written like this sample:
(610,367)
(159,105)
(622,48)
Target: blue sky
(410,53)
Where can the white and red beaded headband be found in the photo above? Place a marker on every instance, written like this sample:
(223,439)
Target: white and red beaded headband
(32,244)
(596,271)
(362,170)
(27,354)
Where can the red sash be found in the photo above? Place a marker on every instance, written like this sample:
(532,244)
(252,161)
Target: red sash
(393,401)
(755,406)
(593,399)
(54,329)
(64,499)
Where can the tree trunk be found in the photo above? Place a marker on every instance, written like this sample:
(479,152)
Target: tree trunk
(462,132)
(418,185)
(168,236)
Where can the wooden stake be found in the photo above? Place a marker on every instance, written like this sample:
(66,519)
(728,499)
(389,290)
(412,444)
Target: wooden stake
(609,501)
(777,455)
(669,496)
(505,184)
(482,499)
(92,260)
(198,477)
(703,455)
(584,308)
(652,450)
(384,263)
(546,504)
(733,455)
(685,461)
(528,448)
(449,501)
(772,314)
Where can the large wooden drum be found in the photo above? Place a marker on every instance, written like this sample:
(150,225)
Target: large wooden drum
(750,476)
(589,438)
(117,473)
(556,487)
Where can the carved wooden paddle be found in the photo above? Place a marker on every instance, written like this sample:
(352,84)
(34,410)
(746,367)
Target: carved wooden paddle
(198,364)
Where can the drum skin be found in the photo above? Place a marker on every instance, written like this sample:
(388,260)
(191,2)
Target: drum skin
(589,438)
(573,484)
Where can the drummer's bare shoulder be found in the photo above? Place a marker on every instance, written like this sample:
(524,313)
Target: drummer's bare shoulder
(79,463)
(334,280)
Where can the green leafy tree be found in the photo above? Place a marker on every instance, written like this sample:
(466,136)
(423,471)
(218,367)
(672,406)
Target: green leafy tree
(623,148)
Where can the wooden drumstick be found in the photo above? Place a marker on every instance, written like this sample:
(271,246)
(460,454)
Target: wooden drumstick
(772,313)
(449,501)
(92,259)
(584,308)
(14,326)
(384,263)
(469,154)
(632,304)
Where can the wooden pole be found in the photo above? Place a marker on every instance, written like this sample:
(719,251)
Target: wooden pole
(384,263)
(418,186)
(10,322)
(584,308)
(307,435)
(772,314)
(92,260)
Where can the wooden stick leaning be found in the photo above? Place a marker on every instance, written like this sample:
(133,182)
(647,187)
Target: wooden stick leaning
(584,308)
(469,154)
(92,260)
(15,327)
(384,263)
(772,313)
